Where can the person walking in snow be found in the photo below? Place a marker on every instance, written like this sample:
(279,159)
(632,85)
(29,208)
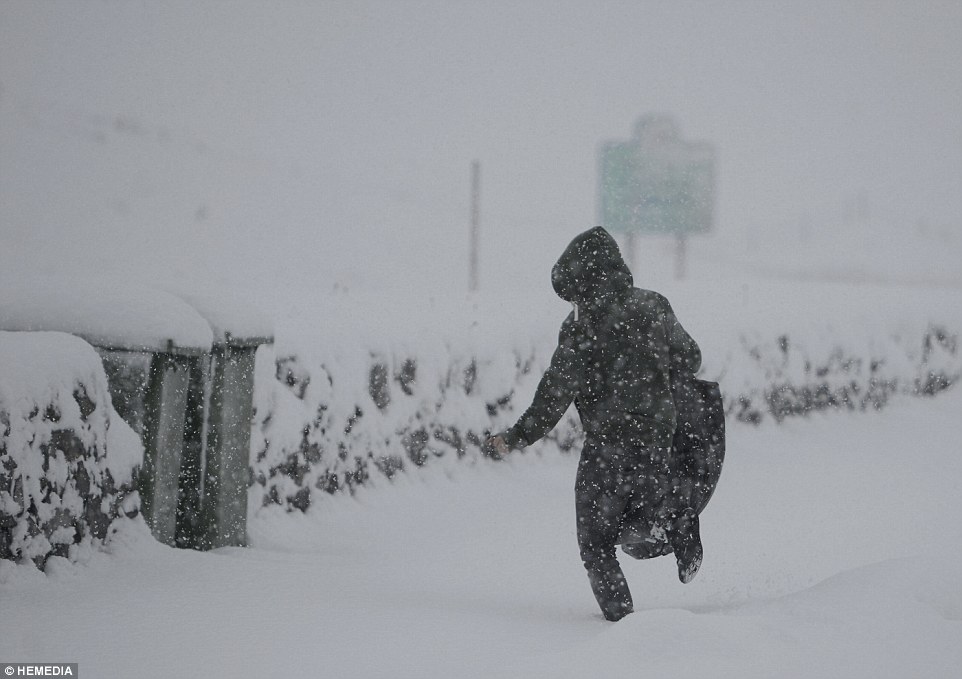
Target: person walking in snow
(617,352)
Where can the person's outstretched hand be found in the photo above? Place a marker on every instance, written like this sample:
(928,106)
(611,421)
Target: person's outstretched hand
(497,444)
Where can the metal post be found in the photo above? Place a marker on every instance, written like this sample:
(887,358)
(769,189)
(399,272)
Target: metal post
(473,282)
(631,251)
(680,256)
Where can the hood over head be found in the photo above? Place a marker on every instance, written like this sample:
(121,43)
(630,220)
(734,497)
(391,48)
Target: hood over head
(590,269)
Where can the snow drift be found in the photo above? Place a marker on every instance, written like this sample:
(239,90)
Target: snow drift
(831,551)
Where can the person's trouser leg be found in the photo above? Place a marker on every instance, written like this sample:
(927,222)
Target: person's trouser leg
(611,592)
(600,499)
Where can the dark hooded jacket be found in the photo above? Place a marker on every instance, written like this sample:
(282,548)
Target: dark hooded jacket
(616,351)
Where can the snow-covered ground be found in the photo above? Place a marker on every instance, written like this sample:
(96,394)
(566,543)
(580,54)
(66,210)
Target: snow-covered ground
(833,549)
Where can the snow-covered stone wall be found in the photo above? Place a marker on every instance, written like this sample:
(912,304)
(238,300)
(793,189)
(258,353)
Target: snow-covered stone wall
(332,425)
(67,460)
(325,424)
(786,375)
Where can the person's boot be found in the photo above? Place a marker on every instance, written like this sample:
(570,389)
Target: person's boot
(686,543)
(611,591)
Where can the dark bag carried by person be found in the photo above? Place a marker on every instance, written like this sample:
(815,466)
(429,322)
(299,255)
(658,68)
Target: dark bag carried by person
(698,449)
(697,454)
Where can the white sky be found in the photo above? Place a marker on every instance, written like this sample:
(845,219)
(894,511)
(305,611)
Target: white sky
(333,140)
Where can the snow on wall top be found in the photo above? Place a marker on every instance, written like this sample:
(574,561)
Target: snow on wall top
(32,363)
(232,319)
(41,368)
(119,316)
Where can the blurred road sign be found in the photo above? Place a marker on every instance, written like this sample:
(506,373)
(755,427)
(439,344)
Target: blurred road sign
(656,182)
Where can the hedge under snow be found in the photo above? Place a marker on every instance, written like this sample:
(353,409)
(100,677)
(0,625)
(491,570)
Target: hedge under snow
(330,420)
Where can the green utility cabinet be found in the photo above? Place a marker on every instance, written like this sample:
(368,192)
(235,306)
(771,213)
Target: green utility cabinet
(180,369)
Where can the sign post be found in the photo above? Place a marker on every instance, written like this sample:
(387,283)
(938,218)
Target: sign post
(657,183)
(473,256)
